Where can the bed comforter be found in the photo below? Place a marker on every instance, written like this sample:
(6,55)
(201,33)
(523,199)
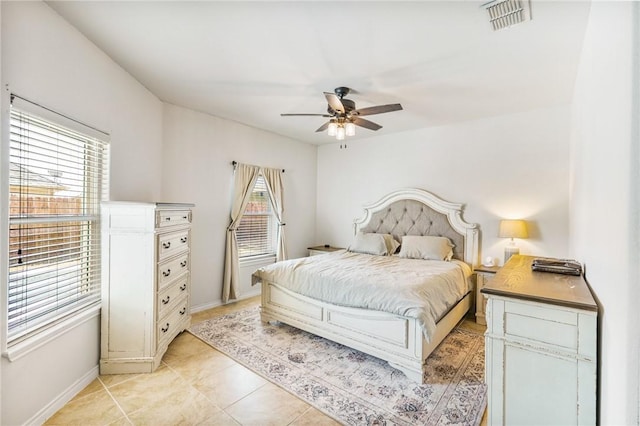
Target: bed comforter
(421,289)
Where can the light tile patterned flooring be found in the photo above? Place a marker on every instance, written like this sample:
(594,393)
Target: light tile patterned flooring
(195,384)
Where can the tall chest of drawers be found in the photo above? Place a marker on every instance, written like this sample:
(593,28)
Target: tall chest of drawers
(146,283)
(541,347)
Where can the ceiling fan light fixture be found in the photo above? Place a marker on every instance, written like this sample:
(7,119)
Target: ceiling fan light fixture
(344,116)
(332,129)
(350,129)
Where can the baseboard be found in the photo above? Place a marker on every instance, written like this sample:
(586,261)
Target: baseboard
(258,292)
(62,399)
(217,303)
(200,308)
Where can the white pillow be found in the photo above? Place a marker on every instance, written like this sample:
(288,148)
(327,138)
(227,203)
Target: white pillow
(426,247)
(371,243)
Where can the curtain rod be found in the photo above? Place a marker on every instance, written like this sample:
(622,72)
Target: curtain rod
(235,164)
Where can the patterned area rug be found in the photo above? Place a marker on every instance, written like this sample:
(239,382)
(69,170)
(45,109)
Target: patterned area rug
(350,386)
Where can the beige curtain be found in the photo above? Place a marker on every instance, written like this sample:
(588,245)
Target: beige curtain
(245,180)
(273,177)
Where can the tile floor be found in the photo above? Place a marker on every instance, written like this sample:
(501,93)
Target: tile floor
(195,384)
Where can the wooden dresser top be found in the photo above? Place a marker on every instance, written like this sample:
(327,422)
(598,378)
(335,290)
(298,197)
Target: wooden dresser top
(517,280)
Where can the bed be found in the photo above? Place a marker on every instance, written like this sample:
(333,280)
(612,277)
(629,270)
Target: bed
(403,340)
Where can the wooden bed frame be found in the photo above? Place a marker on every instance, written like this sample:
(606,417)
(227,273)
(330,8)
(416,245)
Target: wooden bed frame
(396,339)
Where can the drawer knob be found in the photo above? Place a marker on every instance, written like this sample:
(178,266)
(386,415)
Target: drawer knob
(183,263)
(183,310)
(167,218)
(183,239)
(165,328)
(165,301)
(183,287)
(166,245)
(185,217)
(166,273)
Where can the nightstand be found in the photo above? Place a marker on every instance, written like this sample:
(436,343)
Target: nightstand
(314,251)
(483,275)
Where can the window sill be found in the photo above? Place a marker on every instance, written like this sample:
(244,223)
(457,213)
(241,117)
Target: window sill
(18,350)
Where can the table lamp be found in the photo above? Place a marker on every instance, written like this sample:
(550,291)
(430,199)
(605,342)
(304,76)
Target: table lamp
(512,229)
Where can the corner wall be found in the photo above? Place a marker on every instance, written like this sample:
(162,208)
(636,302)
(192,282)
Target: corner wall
(605,191)
(46,60)
(512,166)
(198,151)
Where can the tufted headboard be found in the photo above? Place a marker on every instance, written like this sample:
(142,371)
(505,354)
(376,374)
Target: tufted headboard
(418,212)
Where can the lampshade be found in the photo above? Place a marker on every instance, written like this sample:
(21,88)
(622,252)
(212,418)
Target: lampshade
(513,229)
(340,133)
(332,129)
(350,129)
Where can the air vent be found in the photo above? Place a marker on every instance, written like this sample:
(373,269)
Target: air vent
(506,13)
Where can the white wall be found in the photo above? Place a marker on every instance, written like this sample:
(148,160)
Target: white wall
(605,190)
(504,167)
(4,195)
(198,151)
(48,61)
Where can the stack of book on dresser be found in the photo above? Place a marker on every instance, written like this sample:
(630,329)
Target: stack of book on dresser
(558,266)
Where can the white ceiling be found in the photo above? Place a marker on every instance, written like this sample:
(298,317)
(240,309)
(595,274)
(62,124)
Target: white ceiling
(250,61)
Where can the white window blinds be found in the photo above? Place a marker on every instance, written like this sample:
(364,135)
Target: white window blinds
(58,176)
(257,229)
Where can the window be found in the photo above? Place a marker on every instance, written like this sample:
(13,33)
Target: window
(57,179)
(256,233)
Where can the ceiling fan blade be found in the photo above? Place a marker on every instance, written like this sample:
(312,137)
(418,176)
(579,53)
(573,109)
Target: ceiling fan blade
(366,123)
(323,127)
(377,109)
(306,115)
(334,102)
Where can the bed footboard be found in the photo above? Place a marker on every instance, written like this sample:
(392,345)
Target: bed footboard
(393,338)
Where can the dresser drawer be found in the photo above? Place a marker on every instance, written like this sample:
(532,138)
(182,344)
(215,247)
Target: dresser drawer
(540,324)
(171,295)
(165,218)
(171,269)
(174,323)
(173,243)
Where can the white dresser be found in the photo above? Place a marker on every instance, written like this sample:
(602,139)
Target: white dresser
(541,347)
(145,283)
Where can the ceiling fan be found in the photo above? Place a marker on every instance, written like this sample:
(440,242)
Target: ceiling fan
(343,115)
